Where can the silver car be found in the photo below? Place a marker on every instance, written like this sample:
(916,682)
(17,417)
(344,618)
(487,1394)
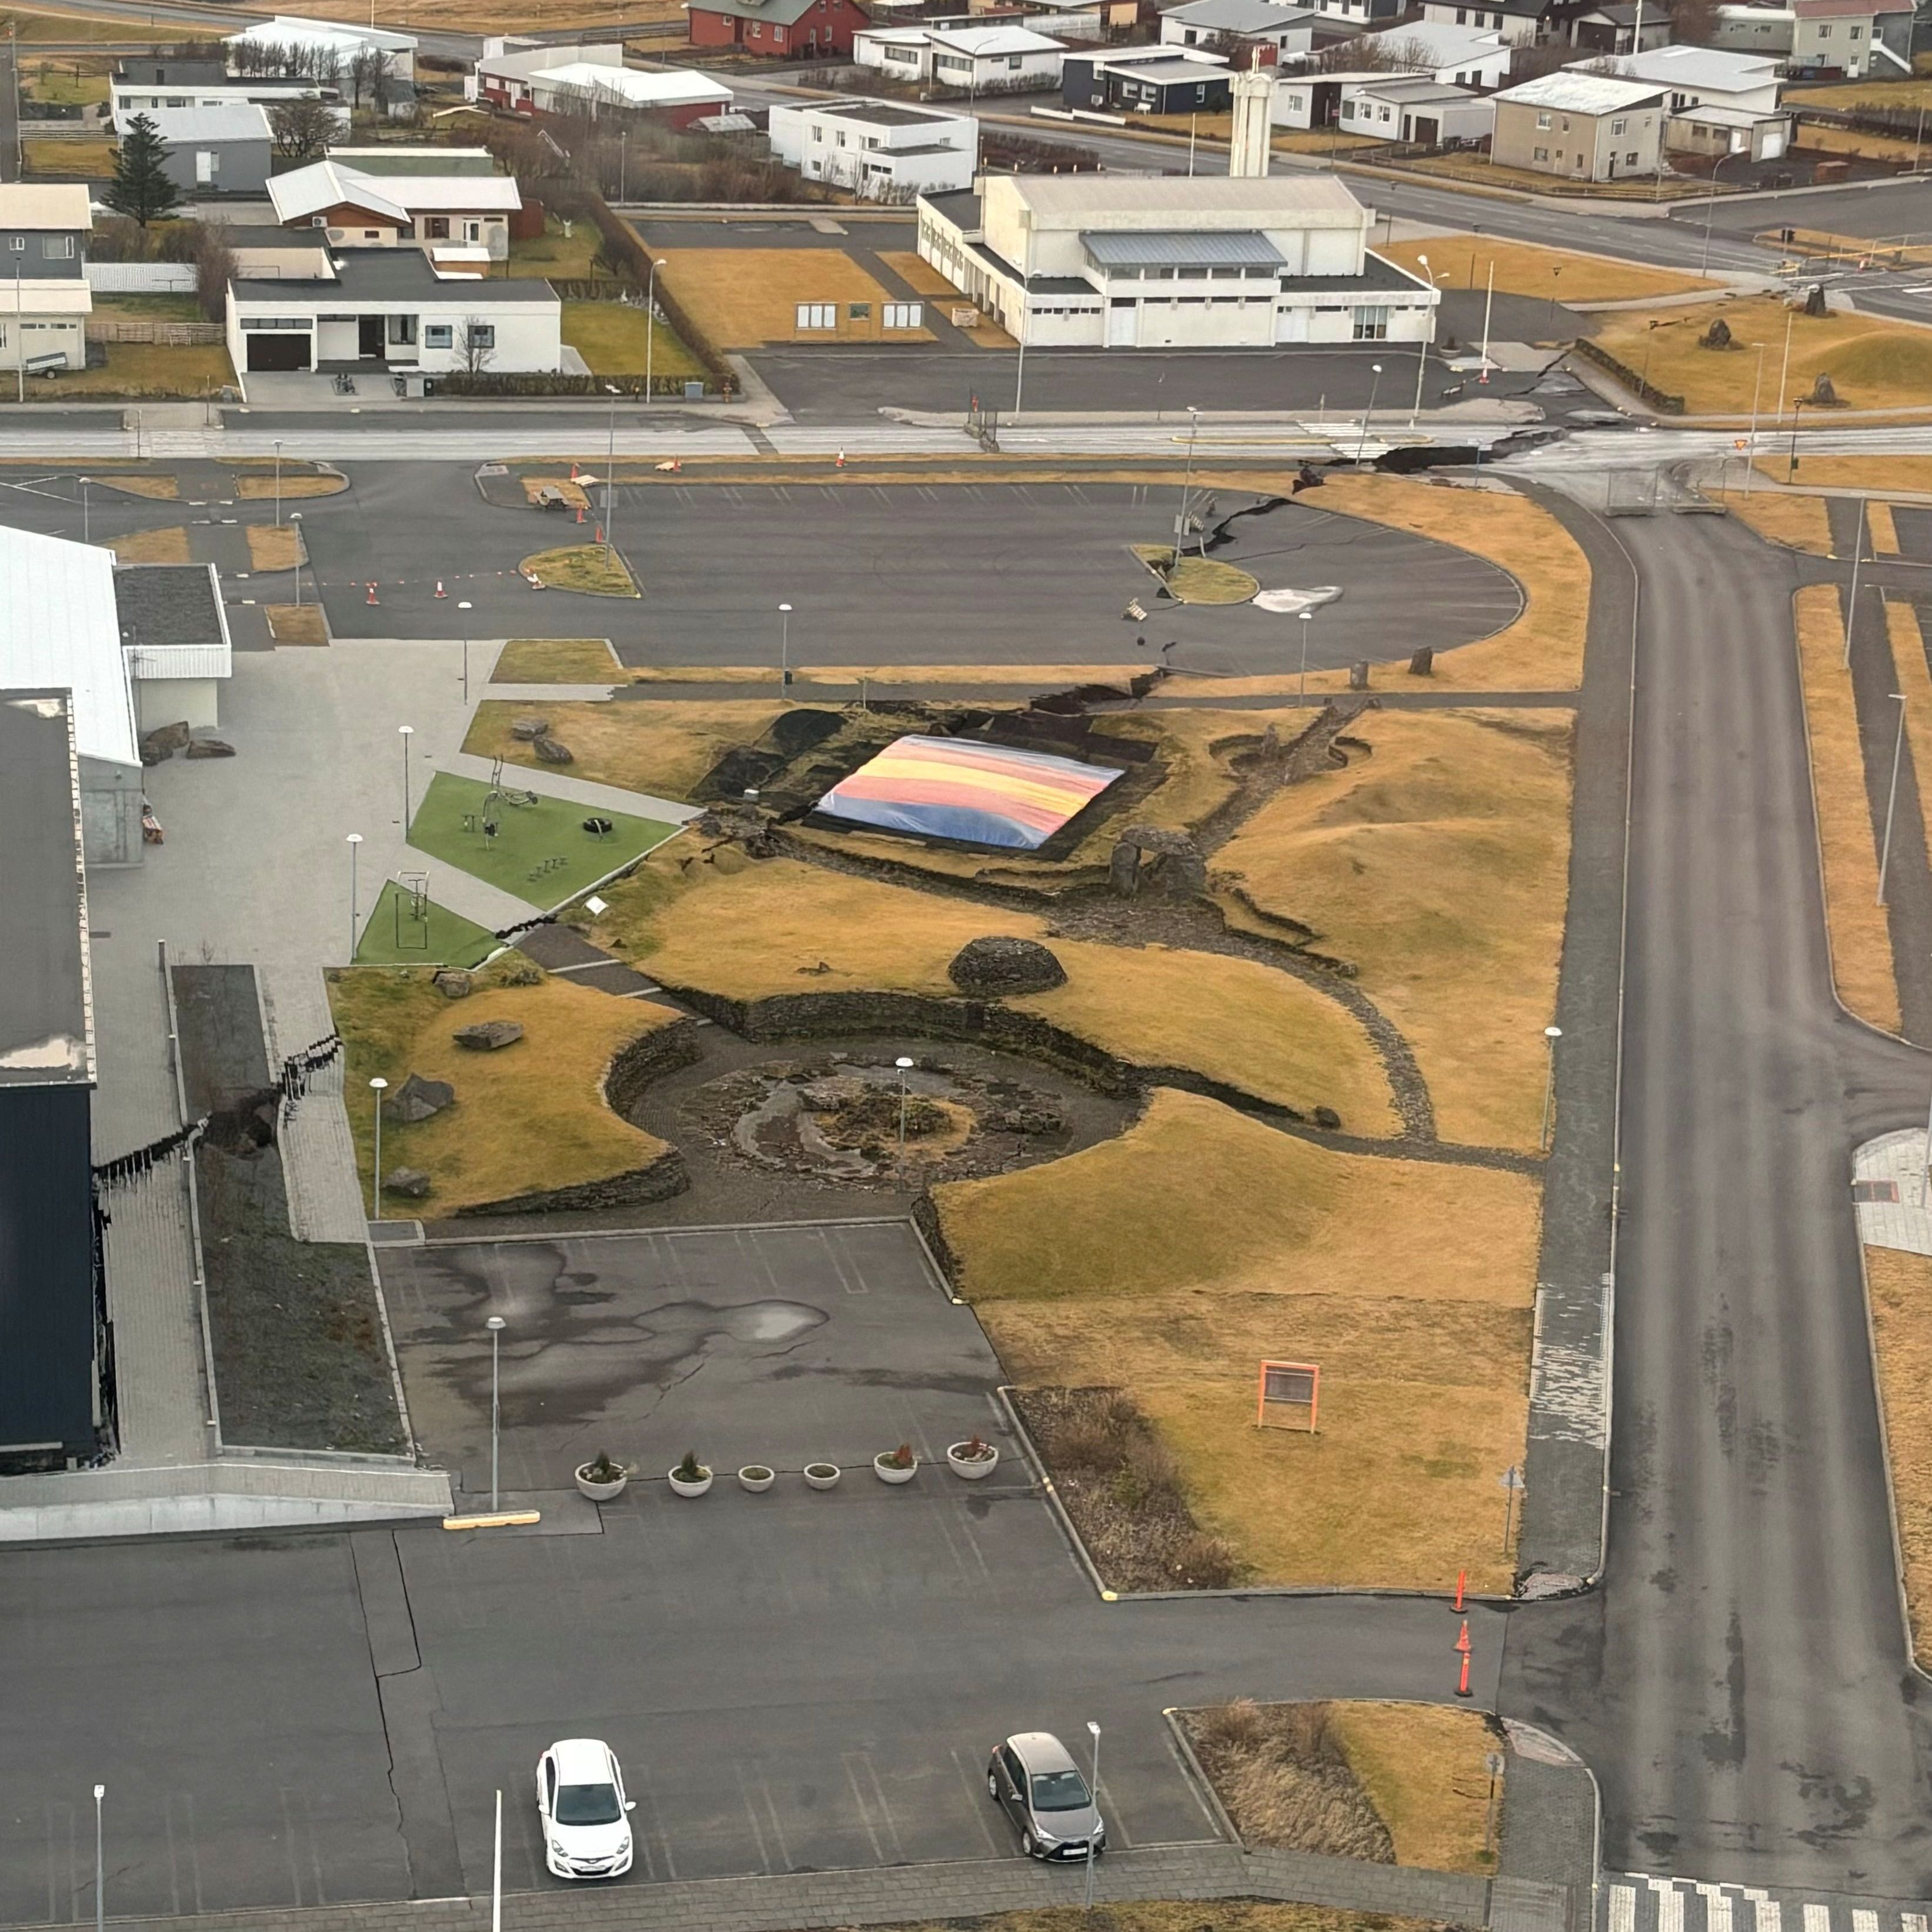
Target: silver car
(1033,1778)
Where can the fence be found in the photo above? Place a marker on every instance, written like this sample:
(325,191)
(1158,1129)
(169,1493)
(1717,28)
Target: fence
(164,334)
(141,278)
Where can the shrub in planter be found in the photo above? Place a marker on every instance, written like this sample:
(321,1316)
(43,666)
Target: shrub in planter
(974,1458)
(821,1475)
(756,1477)
(601,1480)
(896,1465)
(690,1477)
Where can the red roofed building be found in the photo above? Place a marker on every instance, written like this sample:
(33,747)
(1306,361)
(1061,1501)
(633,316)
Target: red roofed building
(787,29)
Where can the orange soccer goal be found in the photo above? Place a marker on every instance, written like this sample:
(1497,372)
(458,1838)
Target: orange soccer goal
(1286,1388)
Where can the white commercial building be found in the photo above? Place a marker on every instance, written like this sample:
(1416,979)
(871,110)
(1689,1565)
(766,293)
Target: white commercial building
(324,40)
(548,79)
(1456,56)
(963,57)
(1700,76)
(882,150)
(1122,261)
(141,84)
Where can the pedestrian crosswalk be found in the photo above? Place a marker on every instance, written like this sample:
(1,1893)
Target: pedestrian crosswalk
(1637,1902)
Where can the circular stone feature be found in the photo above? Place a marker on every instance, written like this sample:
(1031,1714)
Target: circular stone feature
(996,965)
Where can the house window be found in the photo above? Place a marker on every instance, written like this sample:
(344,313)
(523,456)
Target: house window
(436,334)
(903,315)
(758,30)
(482,334)
(372,235)
(1462,16)
(1629,160)
(18,243)
(859,311)
(1617,126)
(1542,121)
(1371,324)
(818,315)
(402,328)
(1013,63)
(1382,113)
(1854,32)
(1539,153)
(57,247)
(1824,30)
(436,227)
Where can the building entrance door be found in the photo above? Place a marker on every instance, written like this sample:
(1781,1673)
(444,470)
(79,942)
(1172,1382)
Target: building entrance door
(369,337)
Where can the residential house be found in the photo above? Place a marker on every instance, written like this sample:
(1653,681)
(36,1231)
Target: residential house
(785,29)
(1582,126)
(211,151)
(554,79)
(1264,28)
(385,197)
(1475,57)
(1363,13)
(968,58)
(392,310)
(1519,22)
(1717,132)
(1612,27)
(1124,261)
(1694,76)
(44,298)
(1853,38)
(882,150)
(1414,107)
(1146,80)
(1315,100)
(331,50)
(140,86)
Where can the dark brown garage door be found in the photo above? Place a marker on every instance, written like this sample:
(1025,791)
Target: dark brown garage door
(278,348)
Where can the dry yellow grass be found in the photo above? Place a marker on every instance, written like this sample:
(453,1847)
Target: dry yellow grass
(69,158)
(1522,268)
(1543,650)
(1881,530)
(1197,579)
(167,546)
(1915,680)
(572,493)
(492,17)
(1425,1768)
(1821,138)
(1861,938)
(252,486)
(296,624)
(1912,473)
(1040,676)
(920,275)
(531,1116)
(157,489)
(275,546)
(1437,865)
(557,660)
(1172,1260)
(746,297)
(1873,364)
(663,749)
(590,569)
(1798,523)
(1900,1287)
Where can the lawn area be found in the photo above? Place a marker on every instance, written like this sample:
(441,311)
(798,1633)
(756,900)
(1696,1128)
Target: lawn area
(529,1117)
(163,546)
(275,546)
(1522,268)
(662,748)
(1859,933)
(149,307)
(567,256)
(1912,473)
(1407,1782)
(1861,93)
(1873,364)
(557,660)
(1900,1287)
(1197,579)
(33,23)
(67,83)
(87,155)
(251,486)
(390,938)
(1820,139)
(1437,866)
(1799,523)
(141,370)
(591,569)
(746,298)
(1915,682)
(541,853)
(297,623)
(1171,1260)
(610,336)
(157,489)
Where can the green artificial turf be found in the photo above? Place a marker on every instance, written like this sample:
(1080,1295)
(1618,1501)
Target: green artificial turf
(391,938)
(541,853)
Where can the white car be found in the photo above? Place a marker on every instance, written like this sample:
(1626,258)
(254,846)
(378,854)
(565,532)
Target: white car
(586,1823)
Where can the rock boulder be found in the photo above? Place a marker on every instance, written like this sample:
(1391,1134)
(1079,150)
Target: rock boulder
(453,983)
(488,1036)
(411,1182)
(549,751)
(996,965)
(417,1099)
(210,748)
(529,729)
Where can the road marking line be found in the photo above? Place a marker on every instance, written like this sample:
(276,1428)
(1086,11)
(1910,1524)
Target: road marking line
(1912,1921)
(1623,1908)
(1669,1906)
(1817,1918)
(1770,1914)
(865,1816)
(1717,1910)
(1864,1921)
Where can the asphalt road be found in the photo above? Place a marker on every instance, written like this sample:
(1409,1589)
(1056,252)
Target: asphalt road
(1740,1682)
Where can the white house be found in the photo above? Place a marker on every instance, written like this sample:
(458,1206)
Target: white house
(972,57)
(1275,28)
(45,299)
(391,309)
(1582,125)
(547,80)
(328,50)
(1518,21)
(1126,262)
(1413,107)
(883,150)
(1693,77)
(1455,56)
(141,84)
(384,197)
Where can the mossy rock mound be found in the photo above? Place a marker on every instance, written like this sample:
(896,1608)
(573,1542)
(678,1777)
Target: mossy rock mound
(996,965)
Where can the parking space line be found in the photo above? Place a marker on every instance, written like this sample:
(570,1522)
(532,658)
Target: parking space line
(975,1793)
(885,1809)
(757,1835)
(1109,1810)
(859,1799)
(657,1823)
(851,1279)
(289,1843)
(771,1812)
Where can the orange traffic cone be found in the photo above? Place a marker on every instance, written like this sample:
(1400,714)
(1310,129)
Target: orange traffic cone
(600,533)
(439,590)
(372,594)
(1462,1683)
(580,513)
(1462,1638)
(1461,1579)
(841,463)
(573,472)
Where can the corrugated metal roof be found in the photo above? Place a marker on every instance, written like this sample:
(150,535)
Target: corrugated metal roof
(231,121)
(1268,201)
(1202,248)
(1573,93)
(632,84)
(1684,66)
(60,629)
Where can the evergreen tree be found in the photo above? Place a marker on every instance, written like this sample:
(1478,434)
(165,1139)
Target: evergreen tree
(141,189)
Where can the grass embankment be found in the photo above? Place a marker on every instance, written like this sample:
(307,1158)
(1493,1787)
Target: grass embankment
(1196,580)
(1172,1260)
(1037,676)
(611,336)
(556,661)
(526,1118)
(1861,937)
(1522,268)
(1396,1783)
(660,748)
(592,569)
(1873,364)
(748,930)
(749,297)
(1901,1310)
(1798,523)
(1914,680)
(275,547)
(163,546)
(37,23)
(1437,865)
(156,489)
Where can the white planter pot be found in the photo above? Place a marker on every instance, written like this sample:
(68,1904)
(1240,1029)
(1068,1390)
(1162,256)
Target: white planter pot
(756,1477)
(972,1470)
(887,1473)
(680,1487)
(601,1493)
(822,1475)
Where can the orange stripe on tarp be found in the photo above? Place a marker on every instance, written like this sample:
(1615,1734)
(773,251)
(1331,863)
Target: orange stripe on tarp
(1034,790)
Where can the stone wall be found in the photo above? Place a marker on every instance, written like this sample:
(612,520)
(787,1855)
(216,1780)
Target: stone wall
(636,1187)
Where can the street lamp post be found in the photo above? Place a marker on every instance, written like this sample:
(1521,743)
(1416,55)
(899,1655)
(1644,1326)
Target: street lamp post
(1791,467)
(610,474)
(1750,451)
(99,1863)
(1093,1730)
(377,1086)
(1422,350)
(1187,482)
(785,648)
(495,1325)
(1361,447)
(355,847)
(1552,1034)
(1852,604)
(294,524)
(650,319)
(1892,795)
(905,1066)
(463,611)
(278,482)
(1307,619)
(406,732)
(1711,207)
(86,512)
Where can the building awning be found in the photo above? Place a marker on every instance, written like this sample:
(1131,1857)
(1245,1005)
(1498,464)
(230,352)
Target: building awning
(1152,249)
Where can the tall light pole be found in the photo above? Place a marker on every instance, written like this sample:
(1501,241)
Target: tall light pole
(496,1872)
(1307,619)
(785,647)
(495,1325)
(99,1863)
(278,482)
(463,611)
(294,524)
(610,478)
(1711,207)
(1186,483)
(1552,1034)
(1422,351)
(377,1086)
(86,512)
(1019,380)
(1750,452)
(1851,606)
(1361,446)
(20,349)
(1093,1730)
(355,849)
(406,733)
(650,320)
(905,1066)
(1891,796)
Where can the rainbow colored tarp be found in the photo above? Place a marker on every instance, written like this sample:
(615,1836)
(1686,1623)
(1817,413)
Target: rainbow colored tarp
(966,790)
